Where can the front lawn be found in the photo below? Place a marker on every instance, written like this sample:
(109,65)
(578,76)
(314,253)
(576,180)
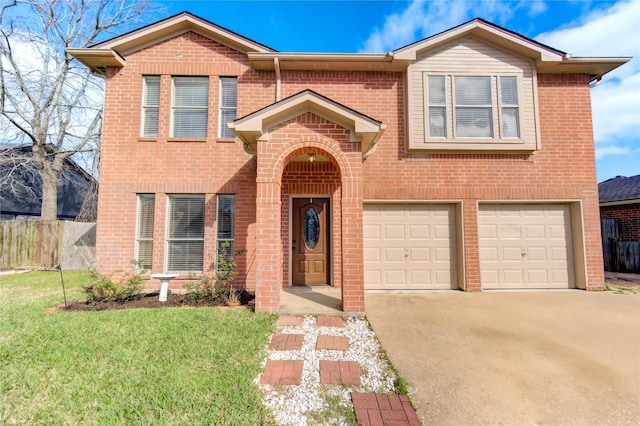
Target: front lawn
(142,366)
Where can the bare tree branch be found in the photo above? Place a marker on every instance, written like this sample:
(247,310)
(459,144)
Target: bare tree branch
(47,99)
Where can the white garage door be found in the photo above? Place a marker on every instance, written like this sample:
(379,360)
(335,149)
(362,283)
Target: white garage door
(525,246)
(409,246)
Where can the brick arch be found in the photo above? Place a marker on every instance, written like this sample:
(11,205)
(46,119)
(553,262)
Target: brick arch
(316,145)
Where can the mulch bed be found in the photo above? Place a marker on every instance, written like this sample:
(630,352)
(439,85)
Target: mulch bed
(151,301)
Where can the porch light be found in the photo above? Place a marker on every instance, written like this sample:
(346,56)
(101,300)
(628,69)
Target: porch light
(311,157)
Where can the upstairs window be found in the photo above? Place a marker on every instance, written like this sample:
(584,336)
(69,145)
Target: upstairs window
(470,108)
(185,233)
(150,106)
(473,110)
(144,231)
(228,105)
(190,107)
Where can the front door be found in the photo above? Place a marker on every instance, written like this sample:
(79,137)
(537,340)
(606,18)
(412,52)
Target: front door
(310,241)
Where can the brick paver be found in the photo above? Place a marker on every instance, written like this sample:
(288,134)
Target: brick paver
(289,321)
(329,321)
(373,409)
(337,343)
(339,372)
(277,373)
(286,342)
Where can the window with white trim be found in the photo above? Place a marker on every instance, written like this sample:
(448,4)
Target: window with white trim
(150,106)
(228,105)
(144,231)
(225,220)
(190,107)
(480,107)
(185,233)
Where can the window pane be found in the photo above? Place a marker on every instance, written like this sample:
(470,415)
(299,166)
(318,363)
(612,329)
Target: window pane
(145,254)
(437,90)
(473,123)
(144,237)
(228,105)
(473,90)
(226,216)
(225,248)
(437,121)
(228,92)
(227,116)
(510,125)
(186,219)
(509,90)
(191,92)
(152,91)
(190,123)
(150,122)
(145,216)
(185,256)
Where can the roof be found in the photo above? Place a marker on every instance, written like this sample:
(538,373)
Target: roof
(254,126)
(113,52)
(619,189)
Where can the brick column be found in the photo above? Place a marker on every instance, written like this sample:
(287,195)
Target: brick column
(268,246)
(471,249)
(352,246)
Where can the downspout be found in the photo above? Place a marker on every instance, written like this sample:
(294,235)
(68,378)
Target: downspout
(276,65)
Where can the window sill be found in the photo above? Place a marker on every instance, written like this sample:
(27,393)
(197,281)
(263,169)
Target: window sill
(225,140)
(501,145)
(147,139)
(187,140)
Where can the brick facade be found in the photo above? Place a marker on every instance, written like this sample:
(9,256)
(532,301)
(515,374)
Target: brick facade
(628,216)
(563,169)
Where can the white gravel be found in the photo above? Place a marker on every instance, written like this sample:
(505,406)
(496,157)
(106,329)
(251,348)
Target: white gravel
(311,403)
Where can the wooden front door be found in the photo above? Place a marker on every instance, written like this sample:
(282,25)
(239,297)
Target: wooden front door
(310,241)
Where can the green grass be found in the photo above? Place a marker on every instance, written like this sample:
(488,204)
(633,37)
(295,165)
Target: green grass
(162,366)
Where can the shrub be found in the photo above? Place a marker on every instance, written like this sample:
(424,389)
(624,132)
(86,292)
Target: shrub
(104,288)
(219,284)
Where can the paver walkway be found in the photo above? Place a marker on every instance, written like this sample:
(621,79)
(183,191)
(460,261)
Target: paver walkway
(382,409)
(370,408)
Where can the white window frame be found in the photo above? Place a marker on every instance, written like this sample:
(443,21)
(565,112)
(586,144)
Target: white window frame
(146,106)
(140,239)
(496,109)
(175,108)
(222,239)
(169,240)
(223,130)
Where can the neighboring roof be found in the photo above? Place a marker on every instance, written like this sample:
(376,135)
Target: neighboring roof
(26,199)
(548,60)
(254,126)
(620,189)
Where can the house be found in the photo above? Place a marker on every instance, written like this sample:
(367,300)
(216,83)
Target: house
(620,216)
(461,161)
(21,186)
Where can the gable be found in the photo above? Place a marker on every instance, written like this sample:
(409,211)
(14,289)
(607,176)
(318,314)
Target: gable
(470,56)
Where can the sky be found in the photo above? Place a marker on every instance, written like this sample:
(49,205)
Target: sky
(582,28)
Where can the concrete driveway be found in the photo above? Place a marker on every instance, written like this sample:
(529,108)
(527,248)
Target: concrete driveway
(515,358)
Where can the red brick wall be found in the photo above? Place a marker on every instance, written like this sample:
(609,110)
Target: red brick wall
(628,216)
(563,169)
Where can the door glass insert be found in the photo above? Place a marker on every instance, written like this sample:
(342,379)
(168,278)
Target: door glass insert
(311,228)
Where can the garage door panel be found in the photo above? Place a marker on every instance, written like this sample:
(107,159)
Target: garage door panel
(417,246)
(533,246)
(393,255)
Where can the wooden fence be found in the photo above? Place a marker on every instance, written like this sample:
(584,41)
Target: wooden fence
(46,244)
(619,256)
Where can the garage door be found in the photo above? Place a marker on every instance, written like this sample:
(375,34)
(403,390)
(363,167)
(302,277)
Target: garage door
(525,246)
(409,247)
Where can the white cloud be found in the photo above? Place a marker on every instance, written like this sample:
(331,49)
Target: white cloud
(616,101)
(610,150)
(423,18)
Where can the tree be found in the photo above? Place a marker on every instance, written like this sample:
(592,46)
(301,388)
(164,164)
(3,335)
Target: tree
(47,99)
